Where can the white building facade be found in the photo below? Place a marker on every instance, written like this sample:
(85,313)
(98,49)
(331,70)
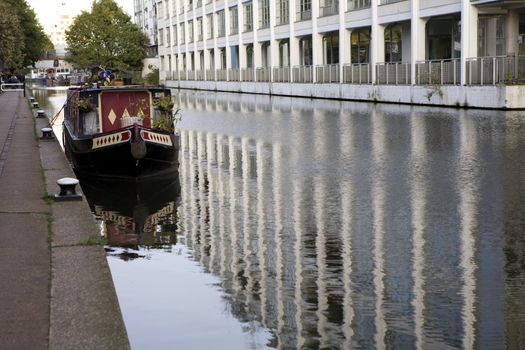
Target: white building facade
(448,52)
(145,16)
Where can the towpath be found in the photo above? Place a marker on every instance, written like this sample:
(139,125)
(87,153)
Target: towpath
(56,290)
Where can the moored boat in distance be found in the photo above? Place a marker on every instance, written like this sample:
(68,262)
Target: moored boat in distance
(121,132)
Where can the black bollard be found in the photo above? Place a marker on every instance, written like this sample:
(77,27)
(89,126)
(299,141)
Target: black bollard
(47,133)
(67,190)
(40,113)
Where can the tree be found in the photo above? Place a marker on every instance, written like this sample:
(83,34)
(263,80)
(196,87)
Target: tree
(35,41)
(11,38)
(106,37)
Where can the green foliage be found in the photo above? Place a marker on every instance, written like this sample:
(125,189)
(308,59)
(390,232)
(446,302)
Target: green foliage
(152,78)
(106,36)
(168,117)
(34,41)
(11,37)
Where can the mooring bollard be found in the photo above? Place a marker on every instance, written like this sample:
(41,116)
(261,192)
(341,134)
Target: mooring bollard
(67,189)
(32,99)
(47,133)
(40,113)
(35,104)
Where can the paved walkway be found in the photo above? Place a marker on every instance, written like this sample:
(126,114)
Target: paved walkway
(56,292)
(25,263)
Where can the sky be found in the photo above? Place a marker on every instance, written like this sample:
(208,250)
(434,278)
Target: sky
(46,10)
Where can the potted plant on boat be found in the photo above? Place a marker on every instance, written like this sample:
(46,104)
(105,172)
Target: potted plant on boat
(167,116)
(85,105)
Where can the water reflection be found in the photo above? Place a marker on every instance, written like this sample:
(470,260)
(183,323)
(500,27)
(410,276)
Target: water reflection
(135,214)
(345,225)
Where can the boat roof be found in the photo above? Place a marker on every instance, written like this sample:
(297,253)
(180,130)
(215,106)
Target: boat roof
(118,88)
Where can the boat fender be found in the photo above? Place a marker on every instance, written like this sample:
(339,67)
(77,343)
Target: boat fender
(138,146)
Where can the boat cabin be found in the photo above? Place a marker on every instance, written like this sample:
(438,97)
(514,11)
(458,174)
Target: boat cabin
(104,110)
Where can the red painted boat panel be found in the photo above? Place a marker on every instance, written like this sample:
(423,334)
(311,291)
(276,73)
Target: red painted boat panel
(116,104)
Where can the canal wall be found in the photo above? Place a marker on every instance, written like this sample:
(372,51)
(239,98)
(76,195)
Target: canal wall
(84,309)
(485,96)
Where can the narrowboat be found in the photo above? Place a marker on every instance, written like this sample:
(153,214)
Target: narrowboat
(121,132)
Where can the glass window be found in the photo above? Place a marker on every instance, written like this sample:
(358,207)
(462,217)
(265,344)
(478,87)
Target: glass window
(248,17)
(264,13)
(331,48)
(234,20)
(393,43)
(282,12)
(209,20)
(304,10)
(360,46)
(358,4)
(491,36)
(190,31)
(443,38)
(221,25)
(306,52)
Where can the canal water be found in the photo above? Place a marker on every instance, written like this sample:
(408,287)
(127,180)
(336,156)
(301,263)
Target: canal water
(308,224)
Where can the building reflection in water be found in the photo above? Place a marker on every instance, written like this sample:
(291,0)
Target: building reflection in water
(347,225)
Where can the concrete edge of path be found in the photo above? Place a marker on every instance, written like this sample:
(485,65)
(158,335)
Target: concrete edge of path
(84,309)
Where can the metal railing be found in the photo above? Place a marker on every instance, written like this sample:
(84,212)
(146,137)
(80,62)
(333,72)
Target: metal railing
(478,71)
(327,73)
(281,74)
(221,74)
(199,75)
(12,87)
(262,74)
(442,72)
(495,70)
(303,74)
(210,75)
(393,73)
(234,74)
(357,73)
(248,74)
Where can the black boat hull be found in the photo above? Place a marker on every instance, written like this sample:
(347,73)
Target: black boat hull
(118,160)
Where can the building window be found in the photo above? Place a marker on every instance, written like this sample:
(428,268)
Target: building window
(331,48)
(264,14)
(393,43)
(182,33)
(190,31)
(234,20)
(199,29)
(175,42)
(168,36)
(328,7)
(491,36)
(221,25)
(209,21)
(282,12)
(284,53)
(249,56)
(443,38)
(306,51)
(248,17)
(360,46)
(304,10)
(161,37)
(358,4)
